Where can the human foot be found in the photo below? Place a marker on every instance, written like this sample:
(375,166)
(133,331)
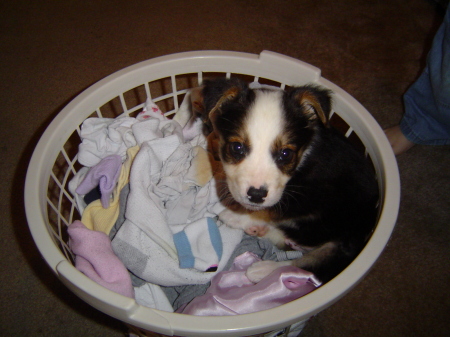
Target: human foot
(397,139)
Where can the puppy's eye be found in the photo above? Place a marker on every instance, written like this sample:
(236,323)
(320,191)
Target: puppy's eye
(237,149)
(285,156)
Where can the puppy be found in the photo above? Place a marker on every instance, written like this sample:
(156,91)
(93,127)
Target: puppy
(289,175)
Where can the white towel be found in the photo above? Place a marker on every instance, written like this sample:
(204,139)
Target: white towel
(165,197)
(152,296)
(102,137)
(199,245)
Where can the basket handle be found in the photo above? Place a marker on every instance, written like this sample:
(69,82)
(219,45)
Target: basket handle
(298,71)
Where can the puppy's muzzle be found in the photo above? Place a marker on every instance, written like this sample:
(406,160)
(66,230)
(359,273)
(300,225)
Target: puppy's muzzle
(257,195)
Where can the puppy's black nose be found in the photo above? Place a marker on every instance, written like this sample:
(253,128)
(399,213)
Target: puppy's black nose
(257,195)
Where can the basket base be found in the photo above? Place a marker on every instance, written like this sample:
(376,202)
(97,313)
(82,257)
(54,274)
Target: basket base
(291,331)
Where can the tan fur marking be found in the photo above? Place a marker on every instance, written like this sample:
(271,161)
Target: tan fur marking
(312,107)
(282,142)
(197,102)
(236,139)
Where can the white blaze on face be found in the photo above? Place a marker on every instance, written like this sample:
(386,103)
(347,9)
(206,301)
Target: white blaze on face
(263,125)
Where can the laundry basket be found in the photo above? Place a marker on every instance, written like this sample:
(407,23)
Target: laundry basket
(50,208)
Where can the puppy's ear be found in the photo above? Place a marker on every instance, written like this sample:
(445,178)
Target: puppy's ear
(315,102)
(199,109)
(218,92)
(227,96)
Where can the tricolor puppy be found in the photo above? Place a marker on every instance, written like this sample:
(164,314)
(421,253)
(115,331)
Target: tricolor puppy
(289,175)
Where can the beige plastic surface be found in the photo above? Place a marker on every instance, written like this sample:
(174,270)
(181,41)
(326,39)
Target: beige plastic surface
(268,65)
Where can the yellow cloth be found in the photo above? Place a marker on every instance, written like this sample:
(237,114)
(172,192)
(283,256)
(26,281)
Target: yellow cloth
(97,218)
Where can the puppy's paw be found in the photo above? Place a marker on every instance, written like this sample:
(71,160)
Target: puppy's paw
(240,221)
(232,219)
(259,270)
(257,230)
(275,236)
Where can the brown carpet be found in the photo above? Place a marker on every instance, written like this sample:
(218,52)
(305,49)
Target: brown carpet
(52,50)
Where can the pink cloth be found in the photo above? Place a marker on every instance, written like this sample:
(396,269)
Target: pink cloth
(231,292)
(105,175)
(95,258)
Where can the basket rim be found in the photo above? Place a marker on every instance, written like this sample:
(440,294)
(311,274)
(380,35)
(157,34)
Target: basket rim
(306,306)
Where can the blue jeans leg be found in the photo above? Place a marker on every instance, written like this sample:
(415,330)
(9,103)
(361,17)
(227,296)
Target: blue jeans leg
(427,101)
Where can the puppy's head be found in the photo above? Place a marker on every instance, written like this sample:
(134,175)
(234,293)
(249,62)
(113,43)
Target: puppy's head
(263,135)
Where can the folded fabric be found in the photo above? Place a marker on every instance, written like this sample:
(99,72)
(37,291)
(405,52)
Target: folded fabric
(151,110)
(192,129)
(123,199)
(95,258)
(171,186)
(199,245)
(184,112)
(166,134)
(73,184)
(150,259)
(262,248)
(190,122)
(187,187)
(98,218)
(231,292)
(151,296)
(102,137)
(104,175)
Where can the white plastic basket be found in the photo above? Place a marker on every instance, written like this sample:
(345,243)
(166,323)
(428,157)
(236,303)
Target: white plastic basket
(50,207)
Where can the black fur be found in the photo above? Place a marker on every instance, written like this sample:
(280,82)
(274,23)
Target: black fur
(332,197)
(234,109)
(330,200)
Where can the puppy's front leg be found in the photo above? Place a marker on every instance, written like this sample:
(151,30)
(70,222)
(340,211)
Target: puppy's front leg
(259,270)
(254,224)
(251,224)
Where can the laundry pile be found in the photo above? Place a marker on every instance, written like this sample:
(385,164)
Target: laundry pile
(149,228)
